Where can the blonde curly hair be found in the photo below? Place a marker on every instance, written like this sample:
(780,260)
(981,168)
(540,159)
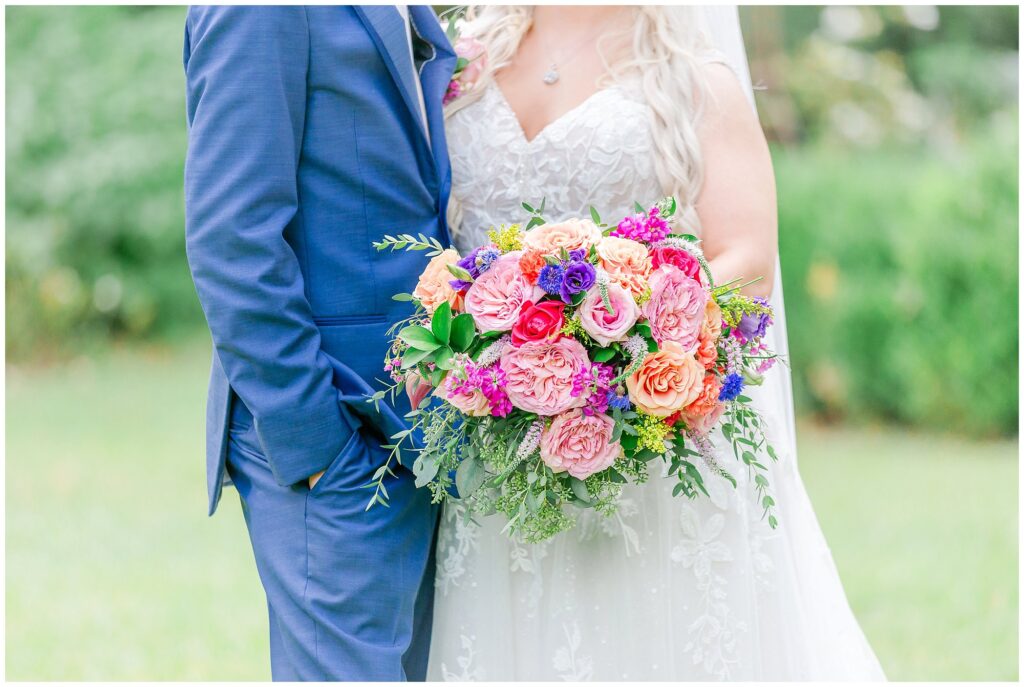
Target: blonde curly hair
(667,45)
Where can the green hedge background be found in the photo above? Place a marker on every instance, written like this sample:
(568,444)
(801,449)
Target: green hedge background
(894,137)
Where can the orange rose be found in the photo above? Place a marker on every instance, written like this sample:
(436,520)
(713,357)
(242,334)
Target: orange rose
(433,288)
(570,235)
(668,380)
(707,351)
(627,263)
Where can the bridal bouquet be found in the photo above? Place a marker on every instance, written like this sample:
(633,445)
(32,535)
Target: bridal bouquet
(550,367)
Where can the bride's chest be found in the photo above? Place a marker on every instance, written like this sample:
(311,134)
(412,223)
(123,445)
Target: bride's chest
(600,153)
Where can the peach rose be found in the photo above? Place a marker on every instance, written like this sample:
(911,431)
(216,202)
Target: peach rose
(676,309)
(627,263)
(498,295)
(579,444)
(602,326)
(668,380)
(540,373)
(472,403)
(712,326)
(570,235)
(433,288)
(710,330)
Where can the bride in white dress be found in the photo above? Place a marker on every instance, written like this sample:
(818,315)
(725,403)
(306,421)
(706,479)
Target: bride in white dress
(668,588)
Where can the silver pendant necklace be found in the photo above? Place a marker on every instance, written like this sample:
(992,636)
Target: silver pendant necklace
(552,75)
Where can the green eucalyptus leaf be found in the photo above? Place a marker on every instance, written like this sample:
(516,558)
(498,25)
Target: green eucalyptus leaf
(579,488)
(469,476)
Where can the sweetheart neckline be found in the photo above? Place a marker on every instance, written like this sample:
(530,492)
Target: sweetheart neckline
(544,129)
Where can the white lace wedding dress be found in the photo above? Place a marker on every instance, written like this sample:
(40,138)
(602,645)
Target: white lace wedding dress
(667,589)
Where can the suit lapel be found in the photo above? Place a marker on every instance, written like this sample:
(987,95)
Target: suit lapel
(386,28)
(435,74)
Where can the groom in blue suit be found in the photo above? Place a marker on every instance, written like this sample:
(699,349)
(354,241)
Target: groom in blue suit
(313,131)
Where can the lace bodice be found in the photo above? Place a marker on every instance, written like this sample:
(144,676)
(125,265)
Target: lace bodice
(599,153)
(666,588)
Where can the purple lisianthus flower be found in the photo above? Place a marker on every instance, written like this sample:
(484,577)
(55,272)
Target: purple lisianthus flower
(578,277)
(550,278)
(753,327)
(578,255)
(468,263)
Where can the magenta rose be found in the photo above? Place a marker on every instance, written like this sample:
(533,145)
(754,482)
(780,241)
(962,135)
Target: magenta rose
(538,322)
(677,257)
(605,327)
(497,297)
(676,307)
(579,444)
(540,375)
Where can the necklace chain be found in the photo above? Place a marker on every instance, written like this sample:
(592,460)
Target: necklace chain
(552,75)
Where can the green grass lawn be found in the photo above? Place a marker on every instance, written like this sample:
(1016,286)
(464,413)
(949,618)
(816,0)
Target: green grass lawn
(114,571)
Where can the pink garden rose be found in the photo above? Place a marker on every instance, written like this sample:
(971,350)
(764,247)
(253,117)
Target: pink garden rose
(540,375)
(474,51)
(579,444)
(433,288)
(626,262)
(677,257)
(602,326)
(498,295)
(676,309)
(668,380)
(570,235)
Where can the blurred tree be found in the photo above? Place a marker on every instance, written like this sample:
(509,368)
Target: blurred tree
(896,138)
(95,145)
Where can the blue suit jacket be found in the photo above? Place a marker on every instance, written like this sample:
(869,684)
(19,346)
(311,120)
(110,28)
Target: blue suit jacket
(305,146)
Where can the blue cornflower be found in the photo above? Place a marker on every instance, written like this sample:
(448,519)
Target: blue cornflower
(550,279)
(616,401)
(486,257)
(731,387)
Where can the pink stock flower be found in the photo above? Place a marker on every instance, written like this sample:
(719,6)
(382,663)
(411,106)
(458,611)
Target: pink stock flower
(579,444)
(676,309)
(497,297)
(540,375)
